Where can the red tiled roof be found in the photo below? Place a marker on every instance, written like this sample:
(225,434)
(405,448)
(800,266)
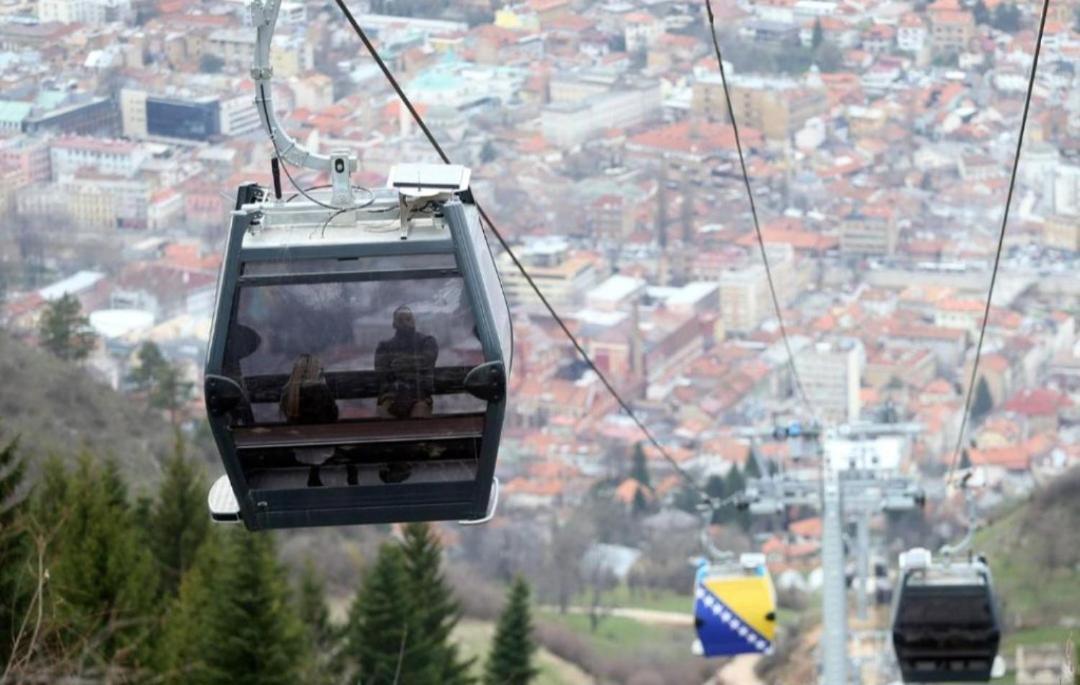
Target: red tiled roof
(694,137)
(807,528)
(1037,402)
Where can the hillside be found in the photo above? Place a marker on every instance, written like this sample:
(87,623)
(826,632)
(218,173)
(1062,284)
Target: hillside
(1034,553)
(58,408)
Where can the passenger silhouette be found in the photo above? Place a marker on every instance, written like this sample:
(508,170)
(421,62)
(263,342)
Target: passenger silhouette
(405,366)
(305,399)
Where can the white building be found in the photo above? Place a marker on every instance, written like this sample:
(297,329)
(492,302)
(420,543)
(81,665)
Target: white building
(745,301)
(238,115)
(563,276)
(84,11)
(911,34)
(566,124)
(112,157)
(641,31)
(831,375)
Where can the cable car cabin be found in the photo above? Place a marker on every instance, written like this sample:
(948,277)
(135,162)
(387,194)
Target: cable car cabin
(357,366)
(945,625)
(734,608)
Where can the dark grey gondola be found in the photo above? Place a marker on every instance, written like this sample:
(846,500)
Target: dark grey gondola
(945,624)
(300,282)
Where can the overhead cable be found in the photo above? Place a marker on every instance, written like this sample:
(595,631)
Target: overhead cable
(623,404)
(796,379)
(1000,246)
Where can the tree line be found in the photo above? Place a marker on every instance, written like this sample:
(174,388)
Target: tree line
(102,586)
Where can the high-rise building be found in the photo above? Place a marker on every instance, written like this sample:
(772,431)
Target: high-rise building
(562,275)
(776,107)
(745,301)
(831,374)
(869,233)
(1062,232)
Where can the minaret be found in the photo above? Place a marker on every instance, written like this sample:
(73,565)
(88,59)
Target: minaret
(638,372)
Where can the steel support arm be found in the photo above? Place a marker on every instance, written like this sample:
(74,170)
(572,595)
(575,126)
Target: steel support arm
(264,16)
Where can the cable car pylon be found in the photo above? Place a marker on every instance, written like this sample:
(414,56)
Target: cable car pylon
(847,482)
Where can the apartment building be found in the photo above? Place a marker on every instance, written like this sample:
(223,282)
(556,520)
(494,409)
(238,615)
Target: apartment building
(831,374)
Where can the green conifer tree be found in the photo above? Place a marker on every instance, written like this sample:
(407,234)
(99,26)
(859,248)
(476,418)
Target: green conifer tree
(162,382)
(437,612)
(513,649)
(736,482)
(323,666)
(716,488)
(639,506)
(640,469)
(234,621)
(817,37)
(983,402)
(383,641)
(151,363)
(15,548)
(177,524)
(65,331)
(101,578)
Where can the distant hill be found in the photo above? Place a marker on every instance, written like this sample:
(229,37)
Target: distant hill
(57,408)
(1034,554)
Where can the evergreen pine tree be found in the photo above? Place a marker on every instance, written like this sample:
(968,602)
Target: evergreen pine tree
(640,504)
(322,668)
(101,577)
(513,649)
(980,12)
(716,487)
(15,548)
(160,380)
(311,605)
(1006,17)
(234,621)
(151,363)
(177,521)
(437,612)
(383,633)
(983,402)
(65,331)
(752,469)
(818,35)
(736,482)
(640,469)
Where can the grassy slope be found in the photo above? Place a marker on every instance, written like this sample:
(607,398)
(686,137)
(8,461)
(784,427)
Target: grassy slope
(1037,596)
(57,408)
(475,637)
(1037,590)
(617,635)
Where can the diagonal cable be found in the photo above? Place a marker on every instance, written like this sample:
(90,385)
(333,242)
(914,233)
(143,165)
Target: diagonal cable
(1000,245)
(754,213)
(623,404)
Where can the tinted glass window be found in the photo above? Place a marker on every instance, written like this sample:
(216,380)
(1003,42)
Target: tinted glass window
(967,608)
(319,352)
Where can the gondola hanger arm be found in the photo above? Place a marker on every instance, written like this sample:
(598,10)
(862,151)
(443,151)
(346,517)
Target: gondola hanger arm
(969,513)
(339,165)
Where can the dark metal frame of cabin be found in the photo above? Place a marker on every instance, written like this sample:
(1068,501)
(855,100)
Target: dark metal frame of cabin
(358,504)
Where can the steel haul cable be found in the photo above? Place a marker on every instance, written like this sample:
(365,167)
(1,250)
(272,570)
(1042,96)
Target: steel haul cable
(623,404)
(796,379)
(1000,245)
